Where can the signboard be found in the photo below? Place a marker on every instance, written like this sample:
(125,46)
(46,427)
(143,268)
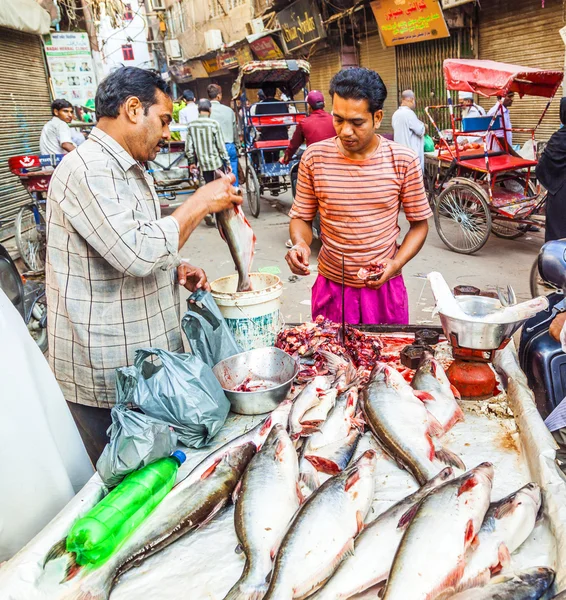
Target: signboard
(227,60)
(301,24)
(451,3)
(266,49)
(408,21)
(188,71)
(70,66)
(210,64)
(244,54)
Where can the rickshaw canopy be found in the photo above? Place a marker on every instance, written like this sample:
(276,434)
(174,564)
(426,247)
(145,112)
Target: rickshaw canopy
(491,78)
(292,75)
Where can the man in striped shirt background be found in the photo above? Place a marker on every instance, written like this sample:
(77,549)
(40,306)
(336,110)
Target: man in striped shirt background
(358,181)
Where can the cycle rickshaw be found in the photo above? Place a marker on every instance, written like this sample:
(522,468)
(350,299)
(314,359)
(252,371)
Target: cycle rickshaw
(261,170)
(485,186)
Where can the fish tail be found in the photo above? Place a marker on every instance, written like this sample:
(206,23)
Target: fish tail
(250,586)
(244,284)
(59,551)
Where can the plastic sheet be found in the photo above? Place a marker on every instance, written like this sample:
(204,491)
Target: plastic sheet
(206,562)
(208,335)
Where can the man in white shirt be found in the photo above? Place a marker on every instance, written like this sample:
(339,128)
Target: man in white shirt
(189,113)
(408,130)
(507,102)
(470,108)
(226,118)
(56,136)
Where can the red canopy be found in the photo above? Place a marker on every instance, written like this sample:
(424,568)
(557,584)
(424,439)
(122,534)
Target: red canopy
(490,78)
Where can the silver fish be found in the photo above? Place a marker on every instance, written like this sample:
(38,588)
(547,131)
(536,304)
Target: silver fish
(430,559)
(375,547)
(267,500)
(402,425)
(238,234)
(309,397)
(182,510)
(439,396)
(507,524)
(530,584)
(322,533)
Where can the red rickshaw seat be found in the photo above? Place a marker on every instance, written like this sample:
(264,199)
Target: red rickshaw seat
(502,162)
(271,144)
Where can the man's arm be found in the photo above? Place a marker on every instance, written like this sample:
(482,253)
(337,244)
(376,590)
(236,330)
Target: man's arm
(68,146)
(236,133)
(416,125)
(65,137)
(297,139)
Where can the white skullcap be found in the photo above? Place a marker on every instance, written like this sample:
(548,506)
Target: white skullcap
(465,96)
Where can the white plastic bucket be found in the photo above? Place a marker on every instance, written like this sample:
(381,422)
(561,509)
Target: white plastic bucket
(254,317)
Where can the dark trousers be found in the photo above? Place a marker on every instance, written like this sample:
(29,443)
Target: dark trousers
(92,423)
(208,176)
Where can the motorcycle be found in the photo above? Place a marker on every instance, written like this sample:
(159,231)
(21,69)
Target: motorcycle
(27,295)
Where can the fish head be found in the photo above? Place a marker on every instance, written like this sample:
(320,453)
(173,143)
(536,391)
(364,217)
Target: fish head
(359,479)
(237,458)
(540,578)
(430,371)
(278,443)
(445,475)
(476,480)
(280,416)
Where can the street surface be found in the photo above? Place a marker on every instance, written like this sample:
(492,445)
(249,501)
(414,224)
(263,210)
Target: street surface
(499,262)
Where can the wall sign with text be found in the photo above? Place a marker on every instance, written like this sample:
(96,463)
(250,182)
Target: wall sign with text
(409,21)
(301,24)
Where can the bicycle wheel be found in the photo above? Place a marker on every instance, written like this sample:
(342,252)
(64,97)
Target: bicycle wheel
(252,192)
(462,218)
(538,286)
(30,237)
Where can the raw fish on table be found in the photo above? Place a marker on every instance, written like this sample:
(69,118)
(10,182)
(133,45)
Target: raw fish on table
(237,232)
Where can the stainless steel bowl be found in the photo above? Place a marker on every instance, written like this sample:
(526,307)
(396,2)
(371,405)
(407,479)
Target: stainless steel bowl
(474,334)
(270,365)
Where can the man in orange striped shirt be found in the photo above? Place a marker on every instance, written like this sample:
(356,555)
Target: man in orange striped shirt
(358,181)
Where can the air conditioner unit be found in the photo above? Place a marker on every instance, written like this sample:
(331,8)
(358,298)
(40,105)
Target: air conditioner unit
(173,49)
(213,39)
(257,25)
(156,5)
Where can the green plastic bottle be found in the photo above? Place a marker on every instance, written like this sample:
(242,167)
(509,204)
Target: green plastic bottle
(94,537)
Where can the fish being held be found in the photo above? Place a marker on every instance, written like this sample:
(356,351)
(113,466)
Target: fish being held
(238,234)
(322,533)
(430,560)
(530,584)
(507,524)
(402,425)
(432,386)
(267,500)
(375,547)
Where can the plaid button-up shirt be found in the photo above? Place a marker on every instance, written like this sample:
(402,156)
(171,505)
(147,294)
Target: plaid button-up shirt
(109,273)
(205,144)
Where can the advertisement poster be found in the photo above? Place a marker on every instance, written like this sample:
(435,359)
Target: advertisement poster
(301,24)
(408,21)
(70,66)
(265,48)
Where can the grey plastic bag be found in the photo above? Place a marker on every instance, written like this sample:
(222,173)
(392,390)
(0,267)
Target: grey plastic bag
(209,336)
(136,440)
(182,391)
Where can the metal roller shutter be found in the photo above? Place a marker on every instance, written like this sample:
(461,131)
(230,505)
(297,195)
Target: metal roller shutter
(374,56)
(25,108)
(324,66)
(522,32)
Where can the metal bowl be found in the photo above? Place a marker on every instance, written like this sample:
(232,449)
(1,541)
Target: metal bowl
(270,365)
(475,334)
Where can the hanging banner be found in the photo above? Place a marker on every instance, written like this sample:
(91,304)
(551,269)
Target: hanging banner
(266,49)
(408,21)
(70,66)
(301,24)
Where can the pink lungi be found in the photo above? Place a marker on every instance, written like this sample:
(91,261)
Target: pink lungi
(388,304)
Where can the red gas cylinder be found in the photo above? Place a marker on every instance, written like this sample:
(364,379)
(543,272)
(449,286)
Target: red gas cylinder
(474,380)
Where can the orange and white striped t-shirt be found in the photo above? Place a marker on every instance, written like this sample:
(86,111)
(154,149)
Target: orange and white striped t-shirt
(359,203)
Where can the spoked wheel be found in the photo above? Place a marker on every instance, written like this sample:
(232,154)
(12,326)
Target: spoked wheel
(30,237)
(462,217)
(539,287)
(252,192)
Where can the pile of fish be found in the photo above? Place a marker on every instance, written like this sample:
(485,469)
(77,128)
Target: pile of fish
(303,482)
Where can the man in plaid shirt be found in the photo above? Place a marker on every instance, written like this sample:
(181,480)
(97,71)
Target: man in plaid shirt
(112,260)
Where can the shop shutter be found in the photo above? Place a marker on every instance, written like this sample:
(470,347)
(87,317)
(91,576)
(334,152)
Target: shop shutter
(419,68)
(24,109)
(374,56)
(324,65)
(522,32)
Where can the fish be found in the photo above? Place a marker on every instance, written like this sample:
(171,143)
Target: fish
(438,395)
(530,584)
(330,449)
(322,533)
(237,232)
(267,500)
(59,566)
(402,425)
(375,547)
(507,524)
(318,413)
(308,397)
(184,509)
(430,559)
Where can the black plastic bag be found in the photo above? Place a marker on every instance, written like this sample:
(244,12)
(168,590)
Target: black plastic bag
(208,335)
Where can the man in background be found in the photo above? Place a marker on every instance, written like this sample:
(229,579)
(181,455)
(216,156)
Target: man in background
(316,127)
(408,129)
(56,136)
(271,106)
(470,108)
(507,103)
(226,118)
(189,113)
